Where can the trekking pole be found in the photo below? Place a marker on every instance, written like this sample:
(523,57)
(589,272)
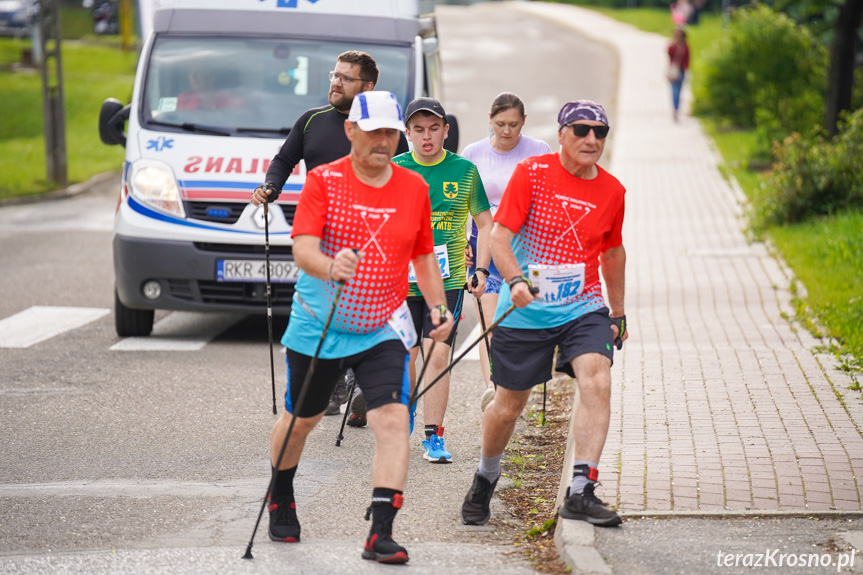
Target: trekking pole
(426,360)
(341,436)
(302,397)
(448,368)
(543,404)
(482,325)
(269,300)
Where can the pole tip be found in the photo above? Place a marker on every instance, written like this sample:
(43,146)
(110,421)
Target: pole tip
(248,554)
(274,410)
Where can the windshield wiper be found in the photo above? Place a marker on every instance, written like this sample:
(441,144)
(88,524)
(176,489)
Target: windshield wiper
(194,128)
(283,131)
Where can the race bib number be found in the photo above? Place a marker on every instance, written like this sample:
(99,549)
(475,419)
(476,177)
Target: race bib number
(442,260)
(403,324)
(557,283)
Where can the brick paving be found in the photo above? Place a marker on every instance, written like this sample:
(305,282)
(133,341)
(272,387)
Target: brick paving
(719,403)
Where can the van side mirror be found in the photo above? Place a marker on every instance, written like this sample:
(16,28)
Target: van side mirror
(451,142)
(112,122)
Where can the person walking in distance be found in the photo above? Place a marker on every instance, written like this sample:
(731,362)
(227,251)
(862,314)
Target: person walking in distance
(456,191)
(678,63)
(496,157)
(318,137)
(360,221)
(558,228)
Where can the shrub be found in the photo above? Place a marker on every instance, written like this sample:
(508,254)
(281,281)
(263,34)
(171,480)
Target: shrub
(765,68)
(813,176)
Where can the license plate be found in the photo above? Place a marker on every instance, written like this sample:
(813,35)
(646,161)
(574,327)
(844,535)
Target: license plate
(256,271)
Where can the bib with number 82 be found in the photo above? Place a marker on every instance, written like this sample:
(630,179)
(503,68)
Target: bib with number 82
(557,283)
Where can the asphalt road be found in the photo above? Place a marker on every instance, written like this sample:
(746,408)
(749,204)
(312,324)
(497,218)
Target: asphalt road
(124,456)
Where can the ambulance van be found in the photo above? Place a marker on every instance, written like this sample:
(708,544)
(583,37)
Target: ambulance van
(219,85)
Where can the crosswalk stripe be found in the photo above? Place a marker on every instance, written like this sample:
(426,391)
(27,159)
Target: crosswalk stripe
(39,323)
(180,331)
(474,353)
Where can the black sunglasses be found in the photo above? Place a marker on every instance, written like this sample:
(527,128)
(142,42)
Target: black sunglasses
(582,130)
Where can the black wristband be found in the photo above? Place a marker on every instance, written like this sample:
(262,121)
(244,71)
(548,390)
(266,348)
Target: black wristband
(518,280)
(483,270)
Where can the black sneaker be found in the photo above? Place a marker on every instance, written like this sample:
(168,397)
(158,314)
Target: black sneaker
(475,509)
(383,549)
(357,418)
(339,396)
(588,507)
(284,525)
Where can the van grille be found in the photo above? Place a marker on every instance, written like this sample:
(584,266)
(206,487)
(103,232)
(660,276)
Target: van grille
(250,249)
(232,293)
(228,212)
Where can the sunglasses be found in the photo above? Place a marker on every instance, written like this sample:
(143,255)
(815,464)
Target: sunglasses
(582,130)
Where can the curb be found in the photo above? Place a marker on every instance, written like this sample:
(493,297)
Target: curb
(62,193)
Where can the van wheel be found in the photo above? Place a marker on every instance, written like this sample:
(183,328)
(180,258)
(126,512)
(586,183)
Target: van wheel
(132,322)
(451,142)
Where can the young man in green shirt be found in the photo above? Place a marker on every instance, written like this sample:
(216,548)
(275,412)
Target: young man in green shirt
(455,190)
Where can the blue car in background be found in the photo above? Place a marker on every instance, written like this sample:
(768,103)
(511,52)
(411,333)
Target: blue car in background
(16,16)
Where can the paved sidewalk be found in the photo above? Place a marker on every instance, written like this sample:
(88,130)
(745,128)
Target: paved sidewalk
(719,404)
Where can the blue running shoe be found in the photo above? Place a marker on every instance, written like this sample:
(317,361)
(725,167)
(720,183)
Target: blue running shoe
(435,451)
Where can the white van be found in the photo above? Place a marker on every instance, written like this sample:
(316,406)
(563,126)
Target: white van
(185,235)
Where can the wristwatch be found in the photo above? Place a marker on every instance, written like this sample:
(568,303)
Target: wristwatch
(442,309)
(483,270)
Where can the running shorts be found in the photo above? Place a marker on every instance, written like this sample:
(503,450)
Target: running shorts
(422,314)
(381,373)
(523,358)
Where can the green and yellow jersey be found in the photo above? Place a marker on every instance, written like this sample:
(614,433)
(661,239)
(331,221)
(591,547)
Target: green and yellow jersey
(455,189)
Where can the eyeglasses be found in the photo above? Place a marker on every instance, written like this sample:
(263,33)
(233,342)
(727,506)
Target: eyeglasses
(333,76)
(582,130)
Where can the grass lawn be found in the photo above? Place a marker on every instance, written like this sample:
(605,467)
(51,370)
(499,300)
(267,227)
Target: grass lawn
(93,69)
(824,254)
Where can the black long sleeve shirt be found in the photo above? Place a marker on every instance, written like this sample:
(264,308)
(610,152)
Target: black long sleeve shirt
(318,137)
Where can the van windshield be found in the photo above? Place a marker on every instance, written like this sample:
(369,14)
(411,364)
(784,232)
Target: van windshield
(248,85)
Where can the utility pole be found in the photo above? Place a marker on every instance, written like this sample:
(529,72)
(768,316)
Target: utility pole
(53,110)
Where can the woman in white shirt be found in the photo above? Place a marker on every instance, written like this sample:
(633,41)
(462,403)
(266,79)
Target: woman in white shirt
(495,158)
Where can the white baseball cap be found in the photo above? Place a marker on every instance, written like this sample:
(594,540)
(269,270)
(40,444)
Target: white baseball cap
(375,110)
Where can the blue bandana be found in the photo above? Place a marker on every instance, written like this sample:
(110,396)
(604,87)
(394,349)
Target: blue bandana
(581,110)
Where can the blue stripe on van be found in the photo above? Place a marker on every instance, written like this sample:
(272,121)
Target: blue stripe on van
(150,213)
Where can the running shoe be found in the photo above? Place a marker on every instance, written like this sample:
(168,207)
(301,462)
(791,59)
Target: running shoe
(284,525)
(357,418)
(383,549)
(487,396)
(475,510)
(435,451)
(588,507)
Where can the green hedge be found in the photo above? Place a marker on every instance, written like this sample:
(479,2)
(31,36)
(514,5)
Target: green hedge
(767,73)
(812,176)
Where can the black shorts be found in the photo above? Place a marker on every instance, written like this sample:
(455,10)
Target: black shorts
(381,372)
(421,314)
(523,358)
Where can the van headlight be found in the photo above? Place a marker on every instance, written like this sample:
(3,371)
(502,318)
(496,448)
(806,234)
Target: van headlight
(153,183)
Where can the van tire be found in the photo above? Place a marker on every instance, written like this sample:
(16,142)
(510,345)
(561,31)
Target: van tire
(451,142)
(132,322)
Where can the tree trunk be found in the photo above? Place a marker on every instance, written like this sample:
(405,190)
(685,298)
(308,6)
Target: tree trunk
(843,50)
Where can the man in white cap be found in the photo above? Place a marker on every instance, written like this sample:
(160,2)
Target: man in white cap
(360,221)
(558,227)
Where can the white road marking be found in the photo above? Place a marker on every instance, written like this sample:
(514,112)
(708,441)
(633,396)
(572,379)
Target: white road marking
(474,353)
(38,323)
(180,331)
